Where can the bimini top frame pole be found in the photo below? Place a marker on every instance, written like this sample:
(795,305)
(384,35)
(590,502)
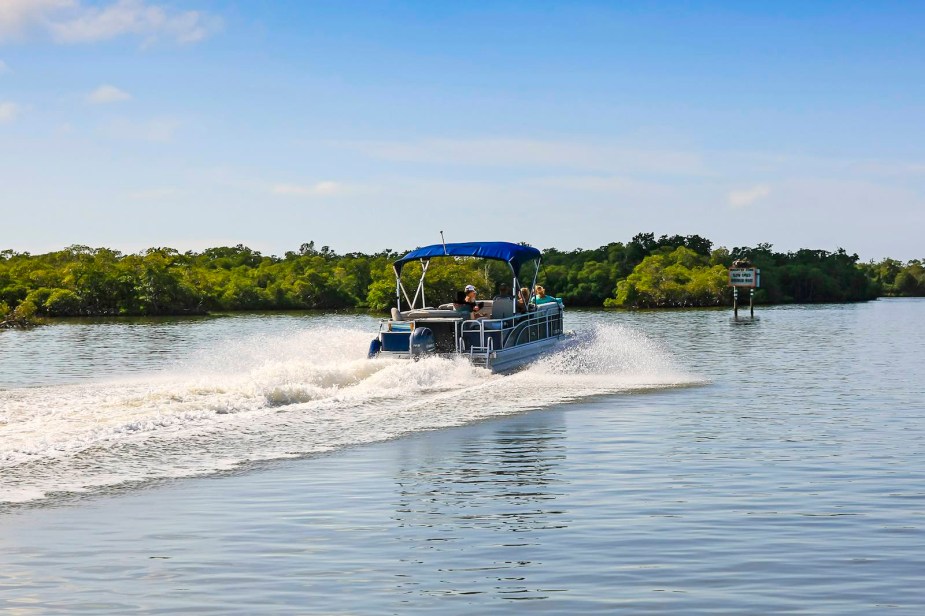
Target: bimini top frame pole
(425,263)
(400,290)
(536,273)
(419,290)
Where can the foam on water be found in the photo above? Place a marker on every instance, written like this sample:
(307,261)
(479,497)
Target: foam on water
(263,398)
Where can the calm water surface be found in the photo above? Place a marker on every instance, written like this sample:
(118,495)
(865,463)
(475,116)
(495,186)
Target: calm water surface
(665,462)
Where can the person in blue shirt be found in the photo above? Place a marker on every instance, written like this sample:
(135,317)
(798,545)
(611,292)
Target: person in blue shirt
(542,298)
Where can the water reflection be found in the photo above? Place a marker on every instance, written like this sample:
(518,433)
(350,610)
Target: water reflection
(477,513)
(77,351)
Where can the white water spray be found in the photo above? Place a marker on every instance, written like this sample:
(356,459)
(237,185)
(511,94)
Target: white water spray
(263,398)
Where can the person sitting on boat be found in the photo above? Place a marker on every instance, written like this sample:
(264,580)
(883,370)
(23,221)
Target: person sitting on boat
(542,298)
(523,299)
(468,306)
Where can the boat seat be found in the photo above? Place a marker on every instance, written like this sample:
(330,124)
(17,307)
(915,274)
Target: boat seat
(486,305)
(430,313)
(502,307)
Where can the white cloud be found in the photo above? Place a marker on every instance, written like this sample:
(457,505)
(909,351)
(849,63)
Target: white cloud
(157,130)
(70,21)
(107,94)
(890,168)
(604,184)
(153,194)
(321,189)
(743,198)
(18,17)
(600,189)
(8,112)
(4,68)
(585,155)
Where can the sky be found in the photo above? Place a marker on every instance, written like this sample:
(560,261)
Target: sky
(362,126)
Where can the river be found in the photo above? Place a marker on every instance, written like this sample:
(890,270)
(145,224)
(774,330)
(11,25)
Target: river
(661,462)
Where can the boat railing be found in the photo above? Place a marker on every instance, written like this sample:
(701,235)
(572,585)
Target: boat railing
(515,330)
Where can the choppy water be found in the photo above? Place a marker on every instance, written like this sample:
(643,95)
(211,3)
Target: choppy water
(152,400)
(666,462)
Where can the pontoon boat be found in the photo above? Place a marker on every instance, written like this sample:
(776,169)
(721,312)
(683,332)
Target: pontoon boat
(509,335)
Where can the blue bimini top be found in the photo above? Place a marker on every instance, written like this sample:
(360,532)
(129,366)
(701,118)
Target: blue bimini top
(515,254)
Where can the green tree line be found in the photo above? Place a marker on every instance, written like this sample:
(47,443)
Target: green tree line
(668,271)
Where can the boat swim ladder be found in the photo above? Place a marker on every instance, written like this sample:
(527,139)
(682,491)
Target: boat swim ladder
(481,355)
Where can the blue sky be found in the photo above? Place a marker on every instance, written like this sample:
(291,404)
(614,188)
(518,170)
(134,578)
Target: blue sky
(371,125)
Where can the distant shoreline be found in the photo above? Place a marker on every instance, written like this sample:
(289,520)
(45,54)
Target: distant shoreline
(644,273)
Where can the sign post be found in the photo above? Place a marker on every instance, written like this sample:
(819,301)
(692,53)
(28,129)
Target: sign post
(743,275)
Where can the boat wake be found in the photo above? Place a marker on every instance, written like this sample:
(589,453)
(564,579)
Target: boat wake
(266,398)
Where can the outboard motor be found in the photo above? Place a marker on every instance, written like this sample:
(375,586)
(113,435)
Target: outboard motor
(374,347)
(422,342)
